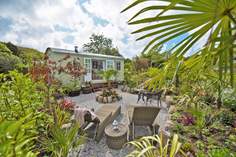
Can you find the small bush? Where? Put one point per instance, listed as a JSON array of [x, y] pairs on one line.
[[186, 147], [226, 118], [216, 153], [7, 60]]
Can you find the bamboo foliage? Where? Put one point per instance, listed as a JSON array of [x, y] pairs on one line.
[[214, 20]]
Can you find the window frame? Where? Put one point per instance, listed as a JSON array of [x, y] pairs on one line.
[[118, 63], [107, 64], [88, 65]]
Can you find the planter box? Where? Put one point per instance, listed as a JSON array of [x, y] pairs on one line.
[[73, 93], [105, 100], [86, 90]]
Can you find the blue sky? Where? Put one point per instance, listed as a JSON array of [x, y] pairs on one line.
[[65, 23]]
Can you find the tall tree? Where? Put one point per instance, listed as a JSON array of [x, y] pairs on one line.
[[156, 57], [101, 45]]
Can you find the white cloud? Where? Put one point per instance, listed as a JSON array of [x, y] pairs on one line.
[[35, 28], [117, 29], [34, 23]]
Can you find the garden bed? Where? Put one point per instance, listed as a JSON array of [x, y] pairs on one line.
[[107, 96], [205, 130]]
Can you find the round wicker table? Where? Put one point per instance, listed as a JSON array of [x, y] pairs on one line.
[[115, 139]]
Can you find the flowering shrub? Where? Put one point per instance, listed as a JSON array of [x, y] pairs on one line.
[[67, 104]]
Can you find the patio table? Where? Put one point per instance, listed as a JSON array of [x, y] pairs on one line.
[[115, 139]]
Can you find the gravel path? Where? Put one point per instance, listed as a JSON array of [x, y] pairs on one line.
[[92, 148]]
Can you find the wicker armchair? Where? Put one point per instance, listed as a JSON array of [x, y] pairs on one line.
[[106, 114], [143, 116]]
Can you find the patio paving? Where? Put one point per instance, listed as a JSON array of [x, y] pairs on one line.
[[94, 149]]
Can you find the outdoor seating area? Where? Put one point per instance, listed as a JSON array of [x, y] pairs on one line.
[[133, 119]]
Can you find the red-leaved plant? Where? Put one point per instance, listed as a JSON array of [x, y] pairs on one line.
[[67, 104], [45, 71]]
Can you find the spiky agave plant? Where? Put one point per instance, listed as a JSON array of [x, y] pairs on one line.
[[156, 146]]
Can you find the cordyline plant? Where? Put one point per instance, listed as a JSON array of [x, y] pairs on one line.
[[46, 70]]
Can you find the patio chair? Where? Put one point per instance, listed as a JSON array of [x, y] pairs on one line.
[[154, 96], [143, 116], [106, 114], [150, 96]]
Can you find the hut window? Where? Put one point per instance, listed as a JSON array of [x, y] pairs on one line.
[[118, 66], [110, 64]]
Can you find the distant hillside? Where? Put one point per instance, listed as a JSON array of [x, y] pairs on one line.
[[13, 57]]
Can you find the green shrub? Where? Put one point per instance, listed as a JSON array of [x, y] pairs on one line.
[[221, 153], [73, 85], [7, 60], [226, 117], [229, 98], [200, 145], [18, 96], [17, 137], [186, 147], [14, 49], [61, 142]]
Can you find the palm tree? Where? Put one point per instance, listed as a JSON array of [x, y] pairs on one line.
[[107, 75], [194, 21]]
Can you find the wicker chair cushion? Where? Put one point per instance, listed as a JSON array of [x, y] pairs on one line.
[[144, 115]]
